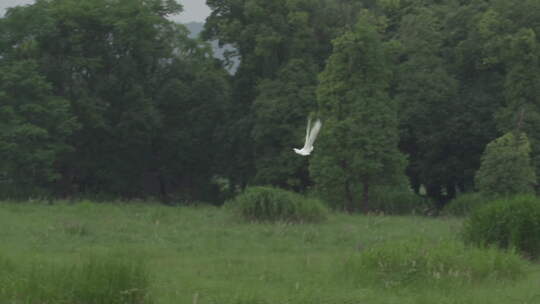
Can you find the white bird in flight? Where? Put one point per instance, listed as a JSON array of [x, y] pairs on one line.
[[311, 135]]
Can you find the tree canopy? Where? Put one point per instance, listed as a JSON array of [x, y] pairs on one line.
[[359, 143], [111, 98], [146, 97], [506, 166]]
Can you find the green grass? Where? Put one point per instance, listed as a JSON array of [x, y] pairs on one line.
[[447, 264], [103, 279], [512, 222], [205, 255]]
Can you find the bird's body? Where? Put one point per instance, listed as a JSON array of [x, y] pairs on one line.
[[303, 151], [311, 135]]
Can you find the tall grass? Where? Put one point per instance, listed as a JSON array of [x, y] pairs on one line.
[[97, 280], [507, 223], [445, 264], [204, 255], [274, 204]]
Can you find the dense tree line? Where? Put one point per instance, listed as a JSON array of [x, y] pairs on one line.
[[110, 97], [107, 97]]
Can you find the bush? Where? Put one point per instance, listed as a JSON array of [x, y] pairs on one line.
[[273, 204], [507, 223], [419, 262], [395, 200], [98, 280], [506, 167], [465, 203]]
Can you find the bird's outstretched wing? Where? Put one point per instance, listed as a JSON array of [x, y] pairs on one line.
[[307, 132], [313, 132]]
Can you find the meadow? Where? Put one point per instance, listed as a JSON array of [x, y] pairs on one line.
[[205, 255]]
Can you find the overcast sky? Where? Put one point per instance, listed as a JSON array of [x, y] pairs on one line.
[[194, 10]]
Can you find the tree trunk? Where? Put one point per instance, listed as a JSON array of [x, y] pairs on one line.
[[65, 186], [163, 189], [414, 181], [365, 197], [450, 191], [349, 207], [461, 186], [435, 191]]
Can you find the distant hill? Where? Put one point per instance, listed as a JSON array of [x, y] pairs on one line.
[[195, 28]]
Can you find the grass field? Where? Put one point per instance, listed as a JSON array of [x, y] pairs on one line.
[[204, 255]]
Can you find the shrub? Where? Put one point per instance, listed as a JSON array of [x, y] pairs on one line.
[[419, 262], [506, 167], [507, 223], [465, 203], [396, 200], [98, 280], [273, 204]]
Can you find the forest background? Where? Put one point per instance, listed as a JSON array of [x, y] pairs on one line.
[[112, 100]]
